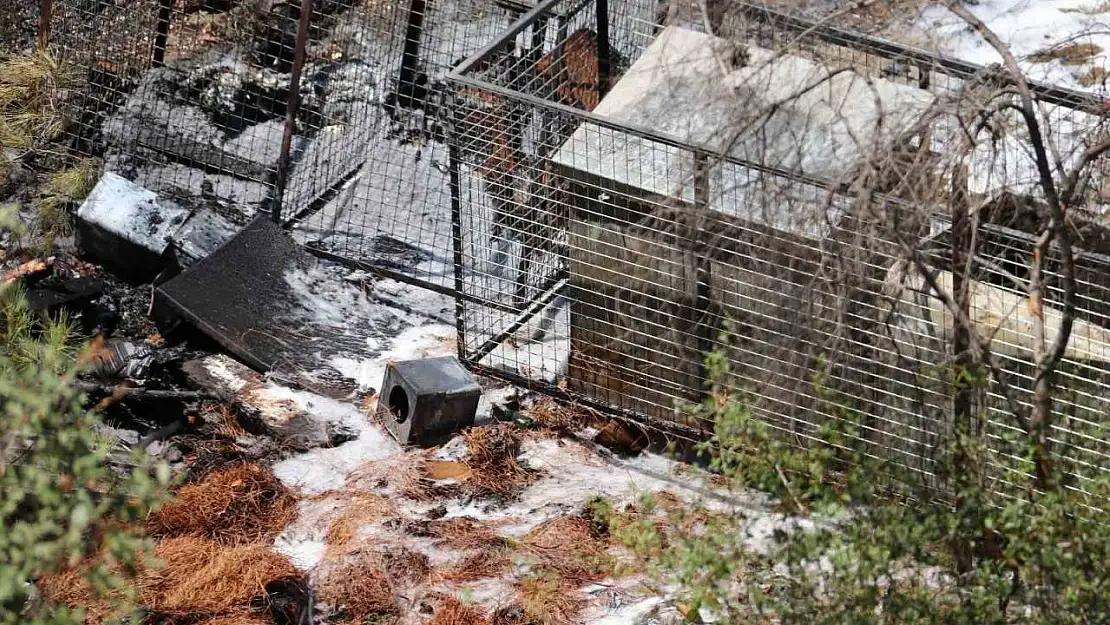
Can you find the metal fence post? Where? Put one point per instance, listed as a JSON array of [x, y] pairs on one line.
[[410, 55], [162, 34], [703, 321], [46, 17], [604, 65], [293, 105], [456, 224]]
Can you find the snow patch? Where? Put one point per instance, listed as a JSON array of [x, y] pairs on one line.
[[323, 304], [574, 473]]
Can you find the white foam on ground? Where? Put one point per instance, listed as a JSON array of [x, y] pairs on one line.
[[416, 342], [324, 469], [1028, 27]]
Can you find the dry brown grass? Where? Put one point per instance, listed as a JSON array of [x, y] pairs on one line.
[[359, 590], [552, 415], [192, 577], [405, 475], [491, 456], [63, 189], [70, 588], [200, 576], [548, 600], [245, 618], [462, 534], [224, 420], [358, 510], [239, 504], [1094, 76], [1102, 7], [477, 565], [1067, 54], [32, 89], [451, 611], [403, 565], [571, 548]]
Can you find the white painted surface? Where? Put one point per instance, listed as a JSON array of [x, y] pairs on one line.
[[132, 212], [777, 110]]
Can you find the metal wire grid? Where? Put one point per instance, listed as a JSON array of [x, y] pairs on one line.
[[628, 330], [395, 216], [191, 98], [660, 248]]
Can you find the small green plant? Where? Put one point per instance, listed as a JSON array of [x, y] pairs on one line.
[[61, 191], [63, 508]]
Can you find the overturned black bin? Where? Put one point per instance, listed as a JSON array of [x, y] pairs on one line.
[[425, 399]]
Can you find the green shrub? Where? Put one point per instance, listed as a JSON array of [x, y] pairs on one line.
[[61, 505], [882, 546]]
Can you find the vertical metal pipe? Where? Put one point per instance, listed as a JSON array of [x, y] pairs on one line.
[[456, 225], [293, 105], [162, 34], [414, 34], [46, 18], [604, 64], [703, 321]]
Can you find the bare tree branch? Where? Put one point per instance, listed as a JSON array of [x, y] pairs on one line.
[[1056, 231]]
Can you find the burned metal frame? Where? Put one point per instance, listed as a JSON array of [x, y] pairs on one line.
[[558, 284], [606, 20], [292, 107]]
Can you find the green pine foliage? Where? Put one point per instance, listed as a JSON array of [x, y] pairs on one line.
[[61, 505]]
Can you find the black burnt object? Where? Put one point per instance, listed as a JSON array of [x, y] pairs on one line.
[[127, 228], [50, 298], [260, 296], [411, 91], [424, 400]]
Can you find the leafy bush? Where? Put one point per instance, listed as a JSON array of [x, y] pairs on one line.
[[881, 545], [62, 507]]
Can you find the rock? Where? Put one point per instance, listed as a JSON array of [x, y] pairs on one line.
[[14, 175], [255, 447], [266, 409], [129, 437], [167, 451], [173, 454], [339, 433]]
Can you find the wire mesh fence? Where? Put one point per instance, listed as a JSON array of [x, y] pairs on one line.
[[611, 189], [327, 122], [771, 194]]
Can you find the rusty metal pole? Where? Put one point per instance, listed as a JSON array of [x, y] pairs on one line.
[[293, 105], [46, 17]]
